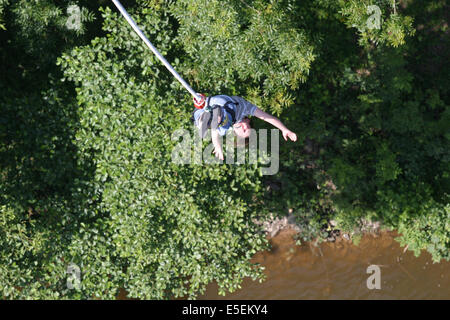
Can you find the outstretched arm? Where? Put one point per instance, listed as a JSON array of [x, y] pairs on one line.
[[276, 123], [216, 142]]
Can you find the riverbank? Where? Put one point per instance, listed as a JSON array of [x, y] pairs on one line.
[[338, 270], [274, 225]]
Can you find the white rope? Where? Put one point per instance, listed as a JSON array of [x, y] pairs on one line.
[[155, 51]]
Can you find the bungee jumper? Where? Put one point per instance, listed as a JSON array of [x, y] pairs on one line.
[[220, 112]]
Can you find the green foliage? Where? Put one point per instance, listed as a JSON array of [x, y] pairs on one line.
[[176, 228], [377, 116], [45, 26], [40, 178], [3, 3], [265, 53], [377, 21], [87, 115], [422, 222]]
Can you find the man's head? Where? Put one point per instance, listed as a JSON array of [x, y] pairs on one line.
[[242, 129]]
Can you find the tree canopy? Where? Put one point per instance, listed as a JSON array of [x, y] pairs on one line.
[[88, 113]]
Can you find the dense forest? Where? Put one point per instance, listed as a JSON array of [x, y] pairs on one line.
[[90, 199]]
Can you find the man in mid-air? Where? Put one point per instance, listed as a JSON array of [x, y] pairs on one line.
[[222, 113]]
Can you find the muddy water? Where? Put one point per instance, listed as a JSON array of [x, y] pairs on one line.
[[338, 271]]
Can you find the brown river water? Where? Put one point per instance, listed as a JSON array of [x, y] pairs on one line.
[[339, 271]]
